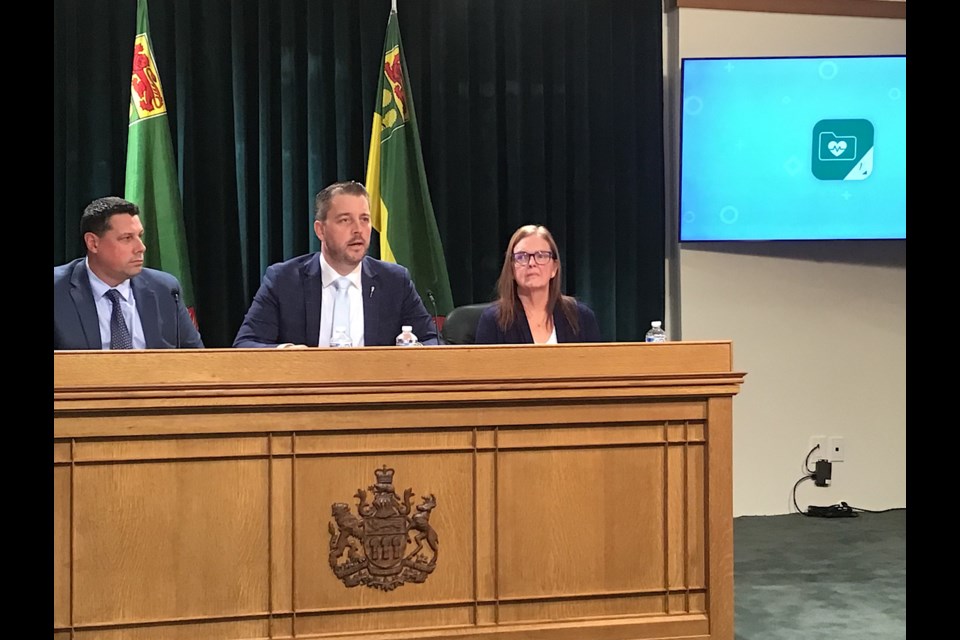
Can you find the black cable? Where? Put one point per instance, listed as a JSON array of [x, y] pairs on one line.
[[880, 511], [797, 484], [810, 475], [823, 511], [842, 510], [806, 461]]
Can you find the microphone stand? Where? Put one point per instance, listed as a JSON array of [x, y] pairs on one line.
[[176, 312], [436, 315]]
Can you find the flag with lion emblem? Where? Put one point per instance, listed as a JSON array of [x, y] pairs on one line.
[[151, 178], [400, 205]]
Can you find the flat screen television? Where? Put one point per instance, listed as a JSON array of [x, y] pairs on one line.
[[793, 148]]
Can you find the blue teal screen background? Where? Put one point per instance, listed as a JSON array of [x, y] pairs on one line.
[[749, 162]]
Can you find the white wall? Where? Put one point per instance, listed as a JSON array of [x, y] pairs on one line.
[[817, 326]]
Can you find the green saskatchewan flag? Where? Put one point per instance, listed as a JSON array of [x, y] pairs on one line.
[[399, 198], [151, 180]]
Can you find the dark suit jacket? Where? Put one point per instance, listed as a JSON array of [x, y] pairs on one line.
[[75, 323], [286, 308], [489, 332]]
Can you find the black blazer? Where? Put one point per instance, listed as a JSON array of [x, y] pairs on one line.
[[489, 332]]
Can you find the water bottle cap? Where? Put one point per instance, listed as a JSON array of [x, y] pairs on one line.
[[655, 324], [405, 328]]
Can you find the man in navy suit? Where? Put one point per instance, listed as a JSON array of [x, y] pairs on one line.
[[294, 306], [86, 290]]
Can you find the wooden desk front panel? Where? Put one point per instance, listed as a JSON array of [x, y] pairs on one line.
[[533, 525], [561, 519]]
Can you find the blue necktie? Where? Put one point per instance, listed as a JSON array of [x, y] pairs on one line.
[[341, 306], [119, 333]]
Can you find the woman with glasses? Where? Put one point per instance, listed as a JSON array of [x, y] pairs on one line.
[[529, 306]]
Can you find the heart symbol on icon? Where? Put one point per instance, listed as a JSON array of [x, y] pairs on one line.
[[837, 148]]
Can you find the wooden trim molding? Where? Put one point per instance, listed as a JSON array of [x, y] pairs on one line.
[[856, 8]]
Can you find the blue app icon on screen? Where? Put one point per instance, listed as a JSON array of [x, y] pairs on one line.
[[843, 149]]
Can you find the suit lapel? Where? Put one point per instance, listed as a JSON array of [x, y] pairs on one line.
[[312, 282], [82, 296], [371, 304], [148, 309]]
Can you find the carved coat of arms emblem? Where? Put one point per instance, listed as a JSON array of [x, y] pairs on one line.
[[371, 548]]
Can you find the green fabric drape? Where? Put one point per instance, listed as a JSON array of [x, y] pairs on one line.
[[541, 111]]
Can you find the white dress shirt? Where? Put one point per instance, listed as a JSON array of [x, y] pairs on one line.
[[354, 293]]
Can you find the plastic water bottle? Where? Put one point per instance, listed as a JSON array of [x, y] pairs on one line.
[[340, 338], [407, 338], [656, 333]]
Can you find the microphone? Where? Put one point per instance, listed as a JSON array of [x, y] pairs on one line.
[[436, 315], [175, 292]]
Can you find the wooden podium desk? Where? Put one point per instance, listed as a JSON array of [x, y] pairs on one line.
[[568, 492]]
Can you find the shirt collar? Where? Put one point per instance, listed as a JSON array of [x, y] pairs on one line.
[[328, 274], [100, 287]]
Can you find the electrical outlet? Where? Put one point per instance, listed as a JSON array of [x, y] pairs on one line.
[[835, 449], [820, 452]]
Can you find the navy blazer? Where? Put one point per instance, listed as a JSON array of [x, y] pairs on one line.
[[489, 332], [286, 308], [75, 322]]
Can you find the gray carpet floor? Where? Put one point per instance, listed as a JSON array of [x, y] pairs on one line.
[[805, 578]]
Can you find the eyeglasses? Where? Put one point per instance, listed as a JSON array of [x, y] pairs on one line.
[[541, 257]]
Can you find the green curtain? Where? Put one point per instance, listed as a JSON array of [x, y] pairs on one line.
[[532, 111]]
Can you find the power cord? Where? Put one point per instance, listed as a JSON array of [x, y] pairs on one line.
[[821, 477], [858, 509], [796, 506], [809, 476], [842, 510], [806, 461]]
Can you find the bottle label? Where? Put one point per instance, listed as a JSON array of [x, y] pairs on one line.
[[407, 339]]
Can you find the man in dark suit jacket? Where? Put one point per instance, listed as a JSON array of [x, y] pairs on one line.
[[112, 234], [288, 310]]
